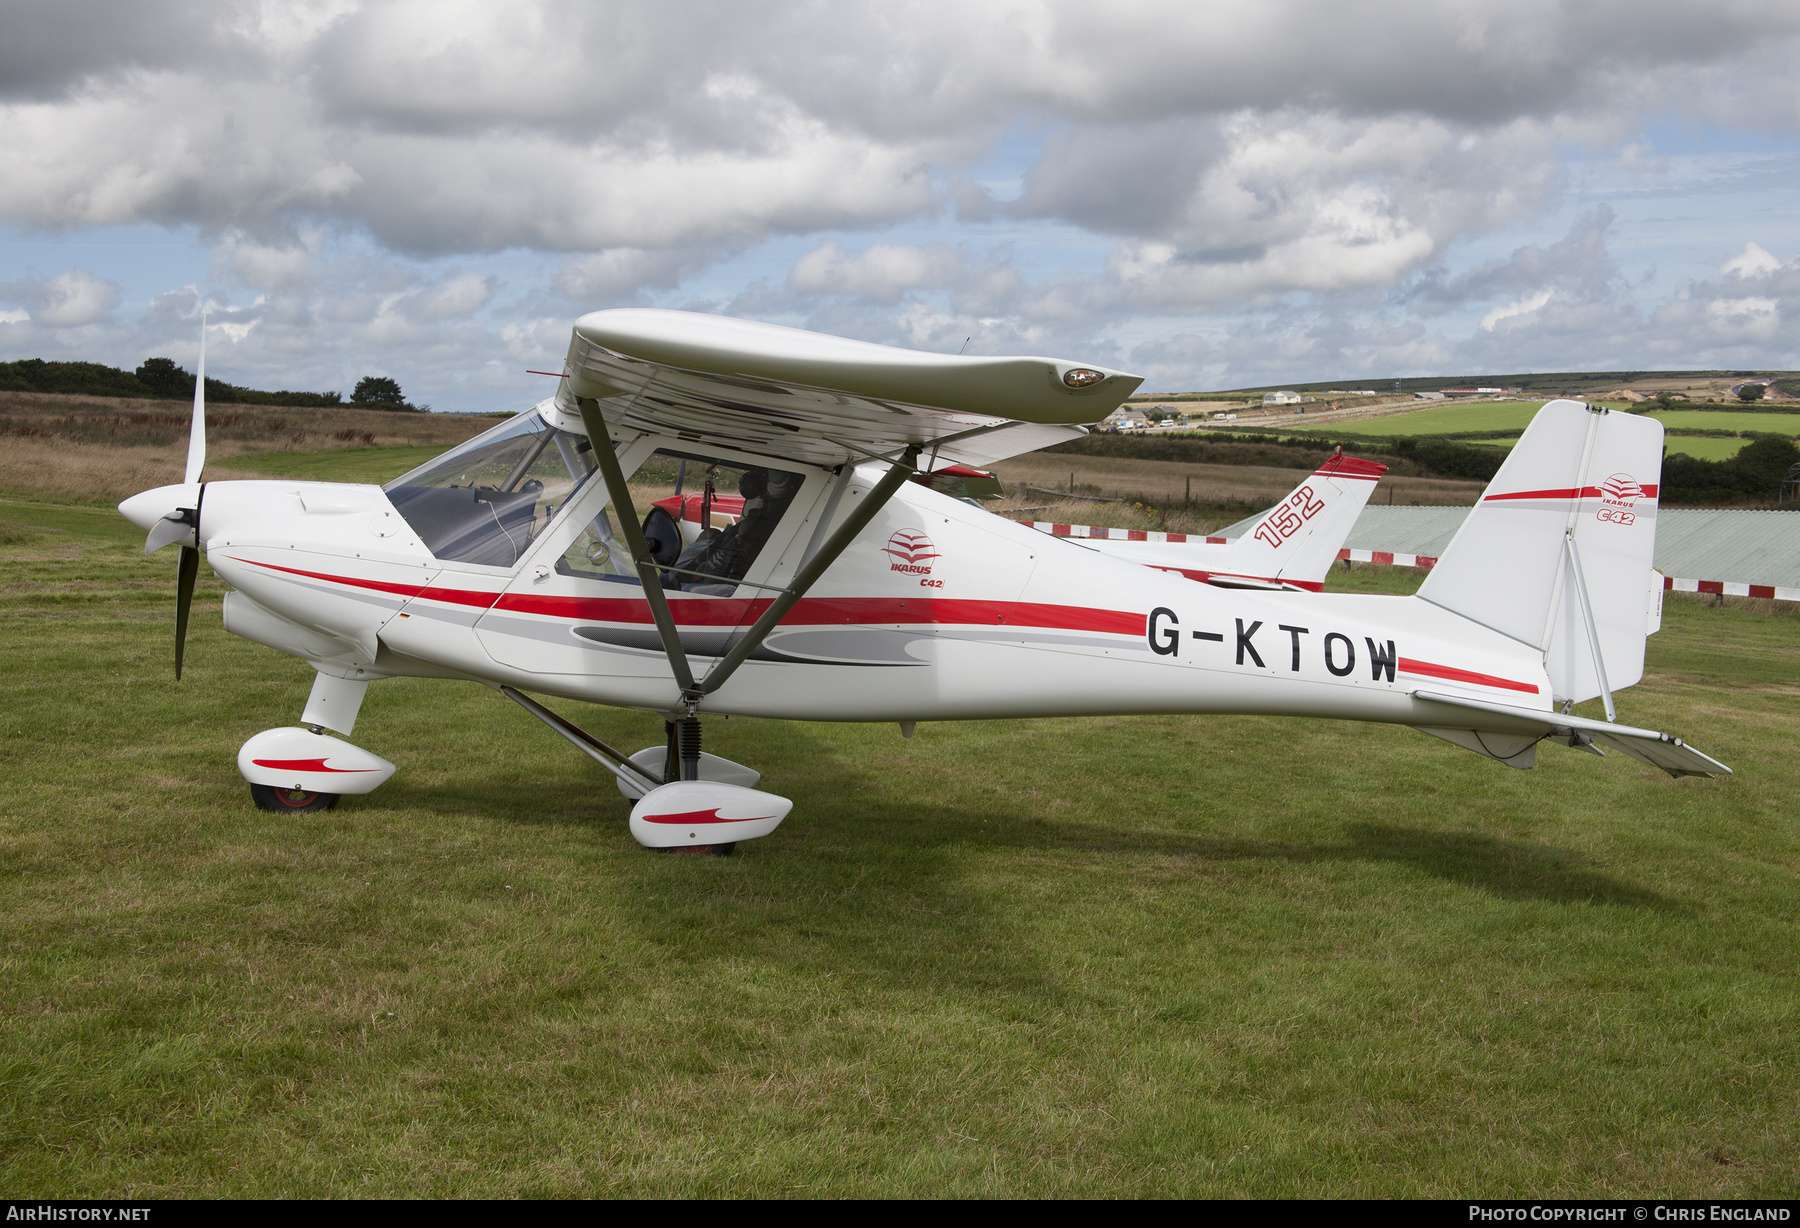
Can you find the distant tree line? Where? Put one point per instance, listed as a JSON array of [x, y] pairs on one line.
[[161, 378]]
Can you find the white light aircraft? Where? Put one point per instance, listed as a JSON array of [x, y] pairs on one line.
[[843, 591]]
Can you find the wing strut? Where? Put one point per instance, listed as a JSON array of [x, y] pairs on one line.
[[650, 575], [812, 569], [616, 762], [647, 571]]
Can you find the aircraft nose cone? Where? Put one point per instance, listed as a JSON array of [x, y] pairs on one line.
[[147, 507]]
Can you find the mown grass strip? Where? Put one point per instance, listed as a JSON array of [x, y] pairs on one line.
[[1176, 956]]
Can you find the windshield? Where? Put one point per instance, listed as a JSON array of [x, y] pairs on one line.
[[485, 501]]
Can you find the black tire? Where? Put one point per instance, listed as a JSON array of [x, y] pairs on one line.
[[291, 801], [700, 850]]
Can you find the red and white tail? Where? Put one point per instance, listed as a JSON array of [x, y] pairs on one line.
[[1292, 546], [1556, 553], [1295, 544]]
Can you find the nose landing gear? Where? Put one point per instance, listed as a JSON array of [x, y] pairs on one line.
[[296, 771]]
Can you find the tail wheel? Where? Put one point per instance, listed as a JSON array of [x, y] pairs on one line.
[[291, 801]]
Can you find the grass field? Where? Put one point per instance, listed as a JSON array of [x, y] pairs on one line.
[[1452, 419], [1449, 419], [1701, 420], [1704, 449], [1157, 956]]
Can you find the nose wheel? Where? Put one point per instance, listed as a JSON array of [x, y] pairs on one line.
[[291, 801]]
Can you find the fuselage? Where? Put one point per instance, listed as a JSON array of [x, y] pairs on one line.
[[937, 610]]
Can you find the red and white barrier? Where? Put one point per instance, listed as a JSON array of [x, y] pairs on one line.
[[1730, 588], [1120, 535], [1395, 558], [1388, 556], [1671, 584]]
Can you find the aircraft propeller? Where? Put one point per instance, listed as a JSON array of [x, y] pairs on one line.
[[183, 524]]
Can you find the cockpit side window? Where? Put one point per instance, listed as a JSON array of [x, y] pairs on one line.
[[706, 521], [485, 501]]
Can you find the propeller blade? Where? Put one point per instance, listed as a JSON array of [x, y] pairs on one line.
[[196, 457], [169, 530], [186, 572]]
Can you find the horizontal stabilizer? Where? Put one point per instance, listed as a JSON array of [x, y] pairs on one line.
[[1659, 750]]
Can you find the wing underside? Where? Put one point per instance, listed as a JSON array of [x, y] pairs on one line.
[[825, 400]]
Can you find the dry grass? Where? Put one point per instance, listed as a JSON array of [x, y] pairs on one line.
[[99, 448]]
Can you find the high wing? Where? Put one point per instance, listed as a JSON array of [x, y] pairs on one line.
[[825, 400]]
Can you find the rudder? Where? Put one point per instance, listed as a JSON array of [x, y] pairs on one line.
[[1572, 511]]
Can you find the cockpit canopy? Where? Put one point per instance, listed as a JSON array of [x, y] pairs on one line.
[[486, 501]]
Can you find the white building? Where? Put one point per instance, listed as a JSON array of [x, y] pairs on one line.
[[1281, 398]]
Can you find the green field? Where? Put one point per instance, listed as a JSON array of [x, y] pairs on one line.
[[1455, 419], [1704, 449], [1449, 419], [1138, 956], [1702, 420]]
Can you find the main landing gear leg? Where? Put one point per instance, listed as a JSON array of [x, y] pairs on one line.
[[689, 802], [682, 762]]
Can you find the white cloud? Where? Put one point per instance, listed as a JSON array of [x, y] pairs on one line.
[[881, 272], [451, 300], [1750, 319], [1299, 175], [1752, 261], [1518, 307], [69, 299]]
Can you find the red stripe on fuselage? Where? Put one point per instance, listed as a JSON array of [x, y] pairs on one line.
[[1449, 672], [454, 596], [380, 586], [733, 612], [825, 611]]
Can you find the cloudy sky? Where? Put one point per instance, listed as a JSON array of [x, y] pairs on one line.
[[1212, 194]]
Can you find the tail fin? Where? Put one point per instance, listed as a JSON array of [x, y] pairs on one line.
[[1555, 553], [1296, 543]]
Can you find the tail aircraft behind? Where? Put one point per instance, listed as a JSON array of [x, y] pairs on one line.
[[1291, 546], [842, 590]]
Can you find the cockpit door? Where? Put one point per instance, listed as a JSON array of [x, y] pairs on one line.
[[576, 607]]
